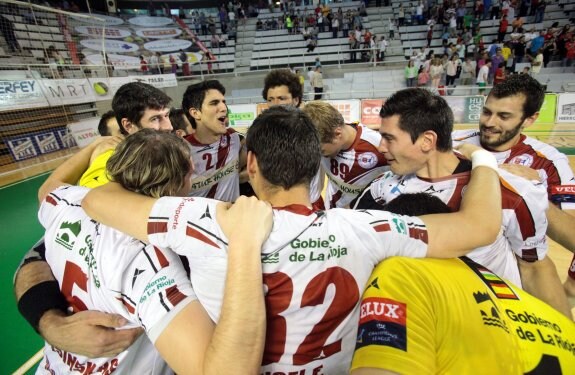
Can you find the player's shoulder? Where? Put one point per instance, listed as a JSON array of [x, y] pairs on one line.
[[516, 188], [66, 195], [543, 149], [369, 135]]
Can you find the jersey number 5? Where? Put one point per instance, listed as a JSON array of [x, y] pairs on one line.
[[278, 299], [73, 275]]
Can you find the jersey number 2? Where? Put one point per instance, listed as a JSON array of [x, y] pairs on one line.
[[279, 298]]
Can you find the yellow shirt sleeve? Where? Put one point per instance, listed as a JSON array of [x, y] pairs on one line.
[[96, 175]]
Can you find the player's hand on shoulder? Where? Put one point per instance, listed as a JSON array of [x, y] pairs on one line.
[[103, 144], [522, 171], [90, 333], [249, 219]]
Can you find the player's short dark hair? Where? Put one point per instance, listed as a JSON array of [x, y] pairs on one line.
[[103, 124], [416, 204], [177, 118], [150, 162], [283, 77], [132, 99], [195, 95], [521, 84], [286, 144], [420, 110]]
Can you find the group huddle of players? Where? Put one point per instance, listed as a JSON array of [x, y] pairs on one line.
[[347, 285]]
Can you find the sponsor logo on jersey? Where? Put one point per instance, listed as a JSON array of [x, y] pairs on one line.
[[271, 258], [367, 160], [68, 233], [490, 313], [524, 159], [137, 273], [206, 215], [224, 141], [85, 366], [382, 322]]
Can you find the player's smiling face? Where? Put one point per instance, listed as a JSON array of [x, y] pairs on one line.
[[403, 155], [502, 121], [213, 115], [280, 95]]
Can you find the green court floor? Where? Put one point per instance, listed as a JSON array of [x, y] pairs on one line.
[[19, 229]]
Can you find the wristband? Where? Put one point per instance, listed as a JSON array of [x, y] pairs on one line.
[[39, 299], [483, 158]]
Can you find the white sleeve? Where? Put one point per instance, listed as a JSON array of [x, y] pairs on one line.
[[155, 287], [383, 234], [525, 224]]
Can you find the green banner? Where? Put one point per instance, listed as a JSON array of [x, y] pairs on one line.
[[547, 111], [466, 109]]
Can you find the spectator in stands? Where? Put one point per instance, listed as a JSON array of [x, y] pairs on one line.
[[517, 24], [7, 28], [467, 72], [496, 60], [185, 65], [569, 51], [56, 62], [317, 83], [259, 25], [155, 63], [410, 74], [495, 9], [499, 74], [108, 125], [483, 75], [503, 24], [453, 65], [215, 41], [203, 23], [422, 76], [429, 35], [540, 11], [460, 15], [173, 64], [537, 62], [353, 46], [436, 71], [382, 48], [311, 43], [143, 65], [401, 15], [335, 27], [549, 49], [537, 44]]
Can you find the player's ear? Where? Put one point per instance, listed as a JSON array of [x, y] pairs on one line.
[[196, 114], [127, 125], [252, 164], [530, 120], [428, 141]]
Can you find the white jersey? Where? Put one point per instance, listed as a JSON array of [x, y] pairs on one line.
[[552, 165], [99, 268], [315, 265], [315, 188], [524, 223], [351, 170], [216, 167]]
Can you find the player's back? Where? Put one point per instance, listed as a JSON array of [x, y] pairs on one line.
[[315, 265], [90, 262]]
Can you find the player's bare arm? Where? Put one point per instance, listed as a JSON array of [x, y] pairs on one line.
[[540, 279], [560, 227], [71, 170], [478, 220]]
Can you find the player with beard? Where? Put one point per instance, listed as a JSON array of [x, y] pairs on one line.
[[282, 87], [217, 150], [315, 263], [416, 128], [512, 106]]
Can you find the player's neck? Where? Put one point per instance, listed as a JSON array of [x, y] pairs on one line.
[[440, 164], [348, 133], [206, 136], [281, 197]]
